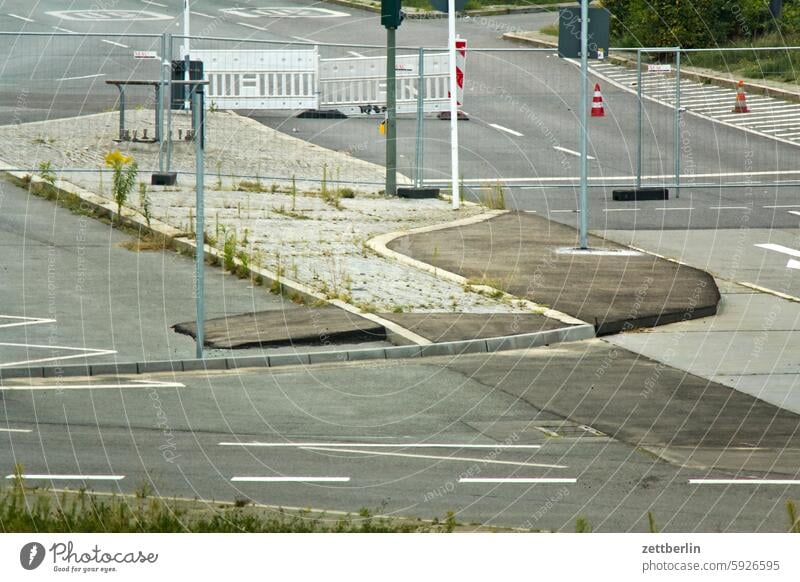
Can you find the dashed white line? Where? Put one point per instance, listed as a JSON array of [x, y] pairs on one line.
[[744, 482], [559, 211], [779, 249], [151, 3], [620, 209], [203, 14], [675, 208], [383, 445], [506, 130], [570, 152], [782, 206], [69, 477], [306, 40], [355, 54], [438, 458], [728, 207], [15, 430], [23, 18], [119, 44], [515, 480], [795, 212], [83, 77], [252, 26], [291, 479], [59, 29], [135, 384]]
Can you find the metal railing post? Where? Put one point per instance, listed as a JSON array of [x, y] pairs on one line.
[[420, 116], [168, 63], [197, 118], [639, 119], [121, 112], [160, 102], [677, 122]]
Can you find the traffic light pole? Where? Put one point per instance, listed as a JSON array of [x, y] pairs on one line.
[[391, 114]]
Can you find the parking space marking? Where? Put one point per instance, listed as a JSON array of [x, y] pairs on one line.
[[68, 477], [516, 480], [107, 15], [85, 353], [284, 12], [383, 445], [744, 481], [62, 386], [17, 320], [290, 479], [437, 457]]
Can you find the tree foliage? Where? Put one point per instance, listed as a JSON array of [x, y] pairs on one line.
[[696, 23]]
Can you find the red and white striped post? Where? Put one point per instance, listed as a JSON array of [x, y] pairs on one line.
[[451, 42], [461, 65]]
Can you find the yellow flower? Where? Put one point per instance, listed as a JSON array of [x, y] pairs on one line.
[[117, 158]]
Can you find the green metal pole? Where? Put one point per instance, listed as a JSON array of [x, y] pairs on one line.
[[420, 116], [197, 115], [639, 119], [677, 122], [391, 115]]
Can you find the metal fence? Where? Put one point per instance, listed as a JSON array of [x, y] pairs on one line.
[[312, 113]]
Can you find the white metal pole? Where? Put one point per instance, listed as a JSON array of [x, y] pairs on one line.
[[584, 129], [451, 39], [186, 57]]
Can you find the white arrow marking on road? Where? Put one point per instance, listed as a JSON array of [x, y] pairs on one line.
[[437, 458], [87, 353], [18, 320], [779, 249], [21, 18]]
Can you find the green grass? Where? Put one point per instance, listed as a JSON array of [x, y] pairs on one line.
[[777, 65], [42, 511], [550, 29]]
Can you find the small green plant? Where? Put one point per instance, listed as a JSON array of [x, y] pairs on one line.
[[243, 269], [582, 526], [124, 170], [294, 193], [323, 185], [219, 175], [651, 522], [794, 520], [495, 199], [144, 202], [46, 172], [229, 251]]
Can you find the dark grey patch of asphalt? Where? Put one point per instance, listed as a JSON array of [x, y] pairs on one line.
[[614, 292]]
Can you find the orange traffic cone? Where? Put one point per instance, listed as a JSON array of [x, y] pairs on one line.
[[597, 102], [741, 100]]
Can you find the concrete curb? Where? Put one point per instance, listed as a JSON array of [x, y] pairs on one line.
[[419, 14], [380, 242], [488, 345], [65, 192], [686, 72]]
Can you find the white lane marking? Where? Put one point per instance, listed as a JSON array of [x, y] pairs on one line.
[[24, 320], [506, 130], [15, 430], [571, 152], [779, 249], [83, 77], [729, 207], [252, 26], [437, 458], [203, 14], [159, 4], [620, 209], [782, 206], [292, 479], [59, 29], [355, 54], [383, 445], [631, 178], [744, 482], [557, 211], [88, 353], [306, 40], [21, 17], [70, 477], [540, 480], [795, 212], [792, 264], [119, 44], [134, 384], [675, 208]]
